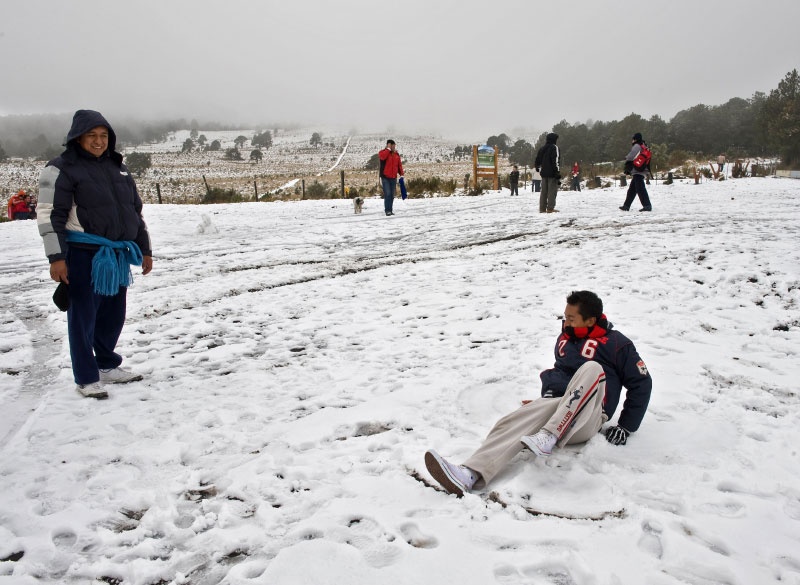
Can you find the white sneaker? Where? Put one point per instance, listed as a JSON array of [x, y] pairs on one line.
[[94, 390], [119, 376], [456, 479], [541, 443]]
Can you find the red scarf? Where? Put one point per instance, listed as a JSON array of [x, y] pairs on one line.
[[599, 329]]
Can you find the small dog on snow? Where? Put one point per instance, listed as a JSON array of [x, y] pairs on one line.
[[358, 204]]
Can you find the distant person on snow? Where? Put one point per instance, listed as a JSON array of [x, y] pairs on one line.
[[579, 394], [576, 176], [19, 206], [513, 181], [391, 167], [536, 181], [90, 217], [637, 186], [547, 163]]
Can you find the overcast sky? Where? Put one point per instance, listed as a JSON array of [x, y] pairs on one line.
[[453, 67]]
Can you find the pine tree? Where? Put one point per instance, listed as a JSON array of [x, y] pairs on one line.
[[264, 140], [781, 119]]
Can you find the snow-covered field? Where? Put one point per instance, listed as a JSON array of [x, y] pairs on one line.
[[300, 359], [181, 176]]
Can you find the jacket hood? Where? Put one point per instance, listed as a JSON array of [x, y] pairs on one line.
[[551, 138], [85, 120]]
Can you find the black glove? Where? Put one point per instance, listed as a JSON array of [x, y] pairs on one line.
[[538, 169], [558, 177], [617, 435], [628, 167]]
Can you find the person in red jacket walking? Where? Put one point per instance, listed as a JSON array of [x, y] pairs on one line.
[[391, 167]]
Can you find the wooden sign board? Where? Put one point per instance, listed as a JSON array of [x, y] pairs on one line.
[[484, 164]]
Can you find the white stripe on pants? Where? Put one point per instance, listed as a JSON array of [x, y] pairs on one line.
[[573, 418]]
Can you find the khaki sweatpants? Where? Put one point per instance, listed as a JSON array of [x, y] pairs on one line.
[[547, 198], [573, 418]]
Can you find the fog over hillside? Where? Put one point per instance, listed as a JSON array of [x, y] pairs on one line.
[[460, 68]]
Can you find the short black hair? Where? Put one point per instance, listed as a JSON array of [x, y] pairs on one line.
[[390, 141], [588, 303]]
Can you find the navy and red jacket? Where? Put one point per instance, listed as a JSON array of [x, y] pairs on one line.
[[391, 165], [621, 364], [81, 192]]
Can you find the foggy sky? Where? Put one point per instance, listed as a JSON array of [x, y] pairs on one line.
[[452, 67]]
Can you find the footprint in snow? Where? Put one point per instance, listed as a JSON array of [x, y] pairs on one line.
[[65, 540], [379, 548], [554, 572], [650, 540], [414, 536]]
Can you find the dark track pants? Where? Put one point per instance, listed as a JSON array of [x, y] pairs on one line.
[[637, 187], [94, 322]]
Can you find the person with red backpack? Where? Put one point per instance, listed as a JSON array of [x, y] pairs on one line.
[[637, 165]]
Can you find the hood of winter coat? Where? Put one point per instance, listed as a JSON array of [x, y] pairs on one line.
[[85, 120], [551, 138]]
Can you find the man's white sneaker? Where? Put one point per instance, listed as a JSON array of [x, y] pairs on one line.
[[456, 479], [94, 390], [119, 376], [541, 443]]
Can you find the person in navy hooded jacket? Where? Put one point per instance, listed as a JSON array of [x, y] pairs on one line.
[[579, 394], [90, 217]]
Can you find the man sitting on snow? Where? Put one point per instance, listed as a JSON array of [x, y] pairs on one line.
[[579, 394]]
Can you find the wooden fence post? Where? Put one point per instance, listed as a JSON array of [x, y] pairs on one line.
[[158, 191], [341, 175], [255, 188], [475, 166], [303, 183]]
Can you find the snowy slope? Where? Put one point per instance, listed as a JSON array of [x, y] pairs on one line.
[[300, 359]]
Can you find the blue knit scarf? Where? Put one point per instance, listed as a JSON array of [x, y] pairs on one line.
[[111, 266]]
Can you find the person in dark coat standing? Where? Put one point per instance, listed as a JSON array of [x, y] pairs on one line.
[[513, 181], [90, 218], [547, 164], [637, 186], [579, 394]]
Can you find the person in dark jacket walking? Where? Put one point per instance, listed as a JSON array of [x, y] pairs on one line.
[[547, 164], [90, 217], [579, 394], [637, 186], [513, 181], [391, 167]]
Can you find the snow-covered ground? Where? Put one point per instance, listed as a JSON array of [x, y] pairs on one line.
[[300, 359]]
